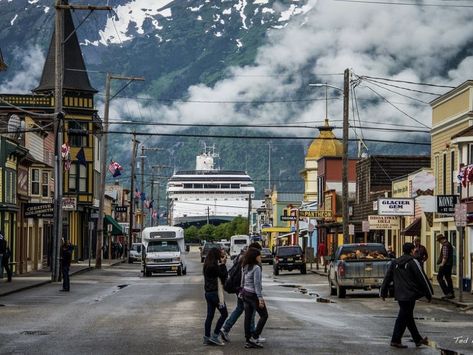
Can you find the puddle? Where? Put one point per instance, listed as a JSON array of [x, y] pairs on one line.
[[290, 286], [34, 332], [324, 300], [122, 286]]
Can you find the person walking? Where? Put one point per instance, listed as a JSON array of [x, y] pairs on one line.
[[410, 284], [6, 261], [252, 287], [66, 256], [240, 306], [3, 247], [445, 262], [215, 275], [420, 252]]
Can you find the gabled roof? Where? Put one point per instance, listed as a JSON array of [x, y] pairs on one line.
[[76, 79]]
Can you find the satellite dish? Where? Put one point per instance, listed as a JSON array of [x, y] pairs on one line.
[[13, 126]]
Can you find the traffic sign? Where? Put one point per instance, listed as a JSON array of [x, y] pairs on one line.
[[460, 214]]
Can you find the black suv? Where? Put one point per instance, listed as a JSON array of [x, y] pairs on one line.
[[289, 258]]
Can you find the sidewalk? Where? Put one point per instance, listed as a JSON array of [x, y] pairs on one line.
[[467, 296], [43, 277]]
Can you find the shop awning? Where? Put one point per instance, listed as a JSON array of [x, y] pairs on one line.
[[413, 229], [116, 228]]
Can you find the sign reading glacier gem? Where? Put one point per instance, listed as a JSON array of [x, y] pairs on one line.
[[396, 206]]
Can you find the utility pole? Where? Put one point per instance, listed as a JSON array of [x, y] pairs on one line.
[[249, 214], [59, 42], [132, 187], [142, 182], [269, 165], [345, 214], [152, 189], [103, 162], [58, 170]]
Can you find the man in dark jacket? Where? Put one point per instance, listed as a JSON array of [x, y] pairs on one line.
[[410, 284], [445, 262], [66, 256]]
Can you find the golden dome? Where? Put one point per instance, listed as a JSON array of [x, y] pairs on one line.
[[325, 145]]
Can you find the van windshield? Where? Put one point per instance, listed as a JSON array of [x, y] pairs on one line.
[[136, 247], [239, 241], [162, 246]]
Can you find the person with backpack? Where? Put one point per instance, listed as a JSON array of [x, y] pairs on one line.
[[251, 292], [215, 275], [233, 285]]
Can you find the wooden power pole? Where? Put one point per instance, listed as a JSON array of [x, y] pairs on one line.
[[345, 213]]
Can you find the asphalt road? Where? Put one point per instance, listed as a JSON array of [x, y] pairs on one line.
[[116, 311]]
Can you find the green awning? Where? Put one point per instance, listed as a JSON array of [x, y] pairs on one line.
[[116, 228]]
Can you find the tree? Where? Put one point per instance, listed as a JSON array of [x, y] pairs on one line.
[[191, 234], [206, 232]]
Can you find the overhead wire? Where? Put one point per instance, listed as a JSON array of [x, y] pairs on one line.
[[405, 3]]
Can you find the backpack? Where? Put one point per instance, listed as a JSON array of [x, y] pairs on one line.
[[233, 282]]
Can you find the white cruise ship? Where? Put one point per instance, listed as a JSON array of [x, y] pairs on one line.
[[207, 194]]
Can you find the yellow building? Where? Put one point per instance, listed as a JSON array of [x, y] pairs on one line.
[[325, 145], [452, 113]]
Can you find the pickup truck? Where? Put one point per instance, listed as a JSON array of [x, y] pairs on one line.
[[357, 266]]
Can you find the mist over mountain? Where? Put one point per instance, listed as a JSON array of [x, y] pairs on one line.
[[250, 62]]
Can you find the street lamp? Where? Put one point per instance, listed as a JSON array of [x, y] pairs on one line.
[[345, 90]]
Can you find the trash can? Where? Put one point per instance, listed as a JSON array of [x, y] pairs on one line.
[[467, 285]]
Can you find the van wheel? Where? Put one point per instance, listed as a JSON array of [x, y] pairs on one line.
[[179, 271], [341, 291], [333, 290]]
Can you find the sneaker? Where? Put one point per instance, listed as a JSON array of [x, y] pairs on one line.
[[253, 343], [224, 335], [261, 340], [398, 345], [448, 296], [214, 339]]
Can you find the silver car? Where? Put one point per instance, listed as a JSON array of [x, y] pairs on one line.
[[135, 252]]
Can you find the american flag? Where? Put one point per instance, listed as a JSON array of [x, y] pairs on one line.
[[137, 193], [115, 168], [155, 214]]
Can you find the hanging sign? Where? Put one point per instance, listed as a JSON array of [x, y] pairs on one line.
[[383, 222], [315, 214], [39, 210], [69, 203], [446, 203], [396, 206], [121, 209]]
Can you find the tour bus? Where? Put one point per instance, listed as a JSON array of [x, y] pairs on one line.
[[163, 250], [237, 243]]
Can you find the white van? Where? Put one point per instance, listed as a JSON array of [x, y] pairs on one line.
[[237, 243], [163, 250]]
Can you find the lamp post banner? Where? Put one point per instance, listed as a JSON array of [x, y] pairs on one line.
[[396, 207]]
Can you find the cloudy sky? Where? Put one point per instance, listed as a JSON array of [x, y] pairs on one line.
[[414, 43]]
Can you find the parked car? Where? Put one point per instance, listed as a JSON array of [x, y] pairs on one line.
[[135, 253], [266, 256], [205, 249], [357, 266], [289, 258]]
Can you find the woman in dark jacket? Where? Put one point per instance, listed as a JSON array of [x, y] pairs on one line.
[[215, 275]]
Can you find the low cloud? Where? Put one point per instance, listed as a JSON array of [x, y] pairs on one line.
[[27, 64]]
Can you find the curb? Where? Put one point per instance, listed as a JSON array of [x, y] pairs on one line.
[[453, 302], [42, 283]]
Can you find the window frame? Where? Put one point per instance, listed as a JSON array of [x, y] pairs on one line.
[[35, 183], [78, 140], [76, 176]]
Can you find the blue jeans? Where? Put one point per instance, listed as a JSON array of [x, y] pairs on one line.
[[65, 278], [237, 312], [212, 305]]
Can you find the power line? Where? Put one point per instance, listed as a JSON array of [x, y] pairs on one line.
[[404, 3], [397, 108], [256, 137], [407, 82], [402, 88], [395, 92]]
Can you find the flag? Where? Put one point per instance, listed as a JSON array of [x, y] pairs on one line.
[[155, 214], [150, 204], [146, 203], [65, 150], [137, 194], [143, 196], [115, 168], [67, 165], [81, 157]]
